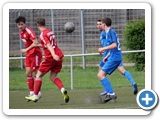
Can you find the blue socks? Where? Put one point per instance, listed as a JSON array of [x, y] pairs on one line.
[[129, 77], [106, 85]]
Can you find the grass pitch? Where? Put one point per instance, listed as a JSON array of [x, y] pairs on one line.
[[84, 95], [79, 99]]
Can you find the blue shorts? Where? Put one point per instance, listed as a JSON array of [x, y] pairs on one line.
[[110, 66], [101, 63], [121, 64]]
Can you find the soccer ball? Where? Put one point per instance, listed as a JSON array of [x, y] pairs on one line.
[[69, 27]]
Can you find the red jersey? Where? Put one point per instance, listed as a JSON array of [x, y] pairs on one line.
[[27, 37], [46, 37]]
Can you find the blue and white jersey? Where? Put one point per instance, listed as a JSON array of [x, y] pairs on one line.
[[103, 42], [115, 54]]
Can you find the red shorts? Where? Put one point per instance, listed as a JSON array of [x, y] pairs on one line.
[[33, 62], [50, 64]]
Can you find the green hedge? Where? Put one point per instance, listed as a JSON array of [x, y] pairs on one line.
[[134, 35]]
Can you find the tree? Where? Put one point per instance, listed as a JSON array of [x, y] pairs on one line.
[[134, 35]]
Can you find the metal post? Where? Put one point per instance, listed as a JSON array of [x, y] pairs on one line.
[[83, 39], [71, 72], [52, 19], [21, 47]]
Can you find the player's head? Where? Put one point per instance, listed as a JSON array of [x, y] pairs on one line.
[[21, 22], [99, 25], [106, 21], [40, 22]]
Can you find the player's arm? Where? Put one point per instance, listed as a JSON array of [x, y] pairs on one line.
[[50, 48], [34, 44], [112, 46]]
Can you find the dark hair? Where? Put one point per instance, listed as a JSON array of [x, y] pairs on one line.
[[107, 21], [41, 21], [99, 20], [20, 19]]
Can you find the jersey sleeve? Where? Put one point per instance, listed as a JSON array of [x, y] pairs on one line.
[[32, 35], [45, 38], [113, 36]]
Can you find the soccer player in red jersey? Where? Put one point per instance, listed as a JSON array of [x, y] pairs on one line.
[[52, 61], [33, 54]]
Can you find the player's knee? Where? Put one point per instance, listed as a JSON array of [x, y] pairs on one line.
[[34, 76], [121, 72], [38, 75], [28, 74], [100, 76], [52, 78]]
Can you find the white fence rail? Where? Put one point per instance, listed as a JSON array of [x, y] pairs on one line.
[[79, 55]]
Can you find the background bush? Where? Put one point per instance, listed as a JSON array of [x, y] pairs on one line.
[[134, 35]]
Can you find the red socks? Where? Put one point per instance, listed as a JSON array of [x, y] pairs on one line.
[[58, 83], [30, 81], [38, 84], [37, 87]]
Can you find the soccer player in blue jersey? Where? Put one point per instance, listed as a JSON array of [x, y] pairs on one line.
[[114, 58], [103, 42], [120, 67]]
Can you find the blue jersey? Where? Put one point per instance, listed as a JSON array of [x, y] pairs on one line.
[[115, 54], [103, 38], [103, 41]]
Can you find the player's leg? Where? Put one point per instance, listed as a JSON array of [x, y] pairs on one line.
[[104, 92], [108, 68], [105, 82], [125, 73], [57, 81], [101, 64], [43, 69], [37, 87], [129, 77], [30, 79], [99, 68], [34, 76], [36, 60], [107, 86]]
